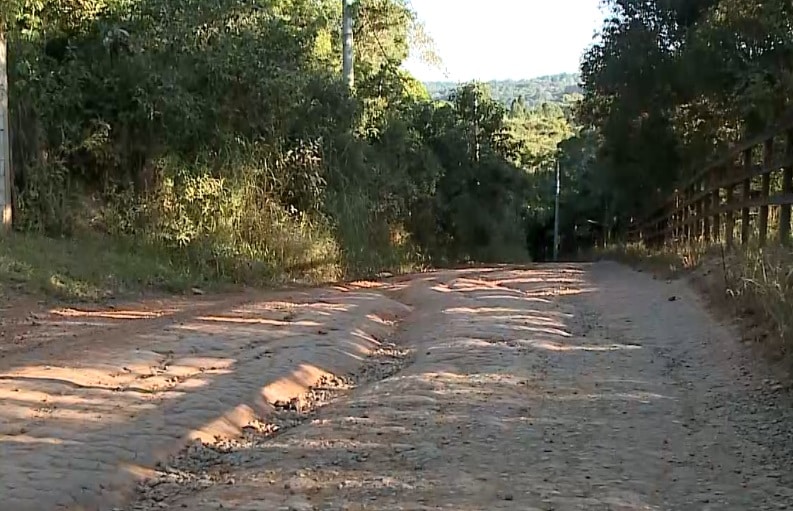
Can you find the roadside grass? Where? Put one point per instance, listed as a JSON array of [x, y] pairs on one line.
[[93, 267], [756, 284], [88, 268], [665, 262], [760, 281]]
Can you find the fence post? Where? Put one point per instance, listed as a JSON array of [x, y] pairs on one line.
[[659, 228], [691, 221], [716, 204], [685, 214], [729, 218], [787, 189], [696, 227], [747, 192], [768, 160], [681, 218], [705, 208], [692, 216]]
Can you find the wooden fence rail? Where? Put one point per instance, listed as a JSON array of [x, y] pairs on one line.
[[738, 190]]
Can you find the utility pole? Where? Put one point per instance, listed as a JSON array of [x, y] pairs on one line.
[[348, 59], [476, 126], [5, 145], [556, 212]]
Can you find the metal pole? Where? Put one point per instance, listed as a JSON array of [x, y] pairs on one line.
[[5, 146], [556, 213], [348, 59]]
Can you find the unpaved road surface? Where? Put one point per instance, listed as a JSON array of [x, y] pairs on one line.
[[546, 388]]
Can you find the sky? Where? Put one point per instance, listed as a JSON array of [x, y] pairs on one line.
[[505, 39]]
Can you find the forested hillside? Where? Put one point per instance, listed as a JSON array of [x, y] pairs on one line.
[[535, 91], [220, 135]]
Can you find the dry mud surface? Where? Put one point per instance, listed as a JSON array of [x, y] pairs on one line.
[[556, 387]]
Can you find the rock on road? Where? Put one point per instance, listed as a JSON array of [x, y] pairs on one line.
[[554, 387]]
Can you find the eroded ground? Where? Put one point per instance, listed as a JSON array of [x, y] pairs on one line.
[[549, 388]]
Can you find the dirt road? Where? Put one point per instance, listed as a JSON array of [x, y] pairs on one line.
[[549, 388]]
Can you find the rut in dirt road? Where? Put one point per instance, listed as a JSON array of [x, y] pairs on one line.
[[552, 388]]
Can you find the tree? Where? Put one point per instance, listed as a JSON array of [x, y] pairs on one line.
[[518, 107], [222, 130], [672, 83]]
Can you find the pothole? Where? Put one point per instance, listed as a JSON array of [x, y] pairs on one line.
[[202, 465]]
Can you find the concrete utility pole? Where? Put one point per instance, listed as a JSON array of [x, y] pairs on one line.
[[348, 61], [476, 127], [5, 145], [556, 212]]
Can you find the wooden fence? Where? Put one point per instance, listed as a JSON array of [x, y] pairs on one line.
[[736, 195]]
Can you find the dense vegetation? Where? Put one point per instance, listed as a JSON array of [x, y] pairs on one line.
[[673, 82], [533, 92], [219, 134]]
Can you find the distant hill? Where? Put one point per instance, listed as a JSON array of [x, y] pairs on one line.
[[535, 91]]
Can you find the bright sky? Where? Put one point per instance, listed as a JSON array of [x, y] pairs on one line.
[[503, 39]]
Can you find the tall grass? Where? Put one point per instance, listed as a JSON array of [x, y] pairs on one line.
[[760, 280], [671, 262]]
